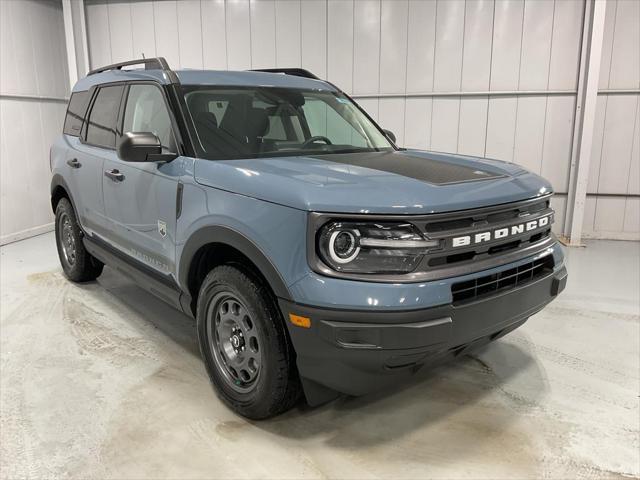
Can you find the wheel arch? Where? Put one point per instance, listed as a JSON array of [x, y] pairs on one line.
[[59, 190], [216, 245]]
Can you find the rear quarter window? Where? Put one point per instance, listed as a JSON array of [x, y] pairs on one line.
[[75, 113]]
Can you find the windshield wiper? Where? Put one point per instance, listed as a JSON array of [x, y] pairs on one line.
[[347, 150]]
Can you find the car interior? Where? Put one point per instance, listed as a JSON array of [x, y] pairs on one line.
[[240, 123]]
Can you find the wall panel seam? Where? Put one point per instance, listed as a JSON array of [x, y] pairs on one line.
[[201, 35], [155, 41], [433, 71], [464, 31], [613, 41], [553, 27], [109, 31], [486, 123], [35, 63], [633, 143], [604, 133], [133, 53], [406, 68], [178, 36], [226, 36], [300, 23], [275, 35], [515, 127]]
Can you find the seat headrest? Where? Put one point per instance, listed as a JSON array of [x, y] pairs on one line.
[[257, 122], [197, 103], [207, 119]]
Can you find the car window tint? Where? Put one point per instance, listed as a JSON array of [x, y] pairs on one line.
[[146, 111], [325, 121], [276, 129], [75, 113], [101, 128], [218, 108], [246, 122]]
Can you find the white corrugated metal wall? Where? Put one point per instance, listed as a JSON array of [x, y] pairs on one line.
[[34, 88], [615, 156], [398, 57], [482, 77]]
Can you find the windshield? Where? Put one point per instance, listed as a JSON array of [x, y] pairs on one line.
[[234, 122]]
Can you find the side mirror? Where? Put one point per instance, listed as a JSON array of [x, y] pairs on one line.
[[142, 147], [389, 135]]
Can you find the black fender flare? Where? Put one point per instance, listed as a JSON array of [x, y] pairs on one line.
[[228, 236]]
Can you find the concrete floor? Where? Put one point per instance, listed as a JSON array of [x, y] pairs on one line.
[[103, 380]]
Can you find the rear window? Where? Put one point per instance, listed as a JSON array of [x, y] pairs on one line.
[[75, 113], [101, 126]]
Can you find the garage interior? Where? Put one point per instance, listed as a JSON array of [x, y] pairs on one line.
[[103, 380]]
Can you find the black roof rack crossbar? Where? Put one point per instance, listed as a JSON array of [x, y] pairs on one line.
[[157, 63], [298, 72]]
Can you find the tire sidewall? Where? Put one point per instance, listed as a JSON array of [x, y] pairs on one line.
[[262, 316], [86, 267], [64, 208]]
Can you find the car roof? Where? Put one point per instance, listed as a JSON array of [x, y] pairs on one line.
[[206, 77]]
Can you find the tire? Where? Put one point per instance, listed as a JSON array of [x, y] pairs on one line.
[[253, 373], [78, 264]]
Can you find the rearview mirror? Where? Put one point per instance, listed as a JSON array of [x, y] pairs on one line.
[[142, 147], [389, 135]]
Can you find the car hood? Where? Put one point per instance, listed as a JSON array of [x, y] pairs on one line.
[[398, 182]]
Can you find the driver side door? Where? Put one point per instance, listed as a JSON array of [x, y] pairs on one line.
[[140, 197]]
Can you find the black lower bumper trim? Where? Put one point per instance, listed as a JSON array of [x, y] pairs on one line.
[[356, 352]]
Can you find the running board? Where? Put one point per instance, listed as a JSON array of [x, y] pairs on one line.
[[162, 287]]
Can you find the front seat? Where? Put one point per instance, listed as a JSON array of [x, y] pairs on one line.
[[243, 126]]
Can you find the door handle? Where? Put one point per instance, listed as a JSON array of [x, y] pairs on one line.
[[74, 163], [114, 175]]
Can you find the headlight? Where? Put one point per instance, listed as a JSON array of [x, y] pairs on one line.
[[357, 247]]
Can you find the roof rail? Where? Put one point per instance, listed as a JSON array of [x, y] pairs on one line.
[[157, 63], [298, 72]]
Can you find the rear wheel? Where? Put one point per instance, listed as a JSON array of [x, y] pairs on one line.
[[78, 264], [245, 346]]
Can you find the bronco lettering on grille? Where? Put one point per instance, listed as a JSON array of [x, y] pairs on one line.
[[500, 233]]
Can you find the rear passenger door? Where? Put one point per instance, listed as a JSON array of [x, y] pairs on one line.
[[97, 143], [140, 197]]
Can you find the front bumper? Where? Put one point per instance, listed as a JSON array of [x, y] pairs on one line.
[[358, 351]]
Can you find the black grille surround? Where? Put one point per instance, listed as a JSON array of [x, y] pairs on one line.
[[515, 241], [494, 284], [471, 224]]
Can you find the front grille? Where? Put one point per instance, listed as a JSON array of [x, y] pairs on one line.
[[490, 218], [488, 285], [469, 256], [467, 224]]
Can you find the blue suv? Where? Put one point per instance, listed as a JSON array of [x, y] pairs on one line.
[[316, 256]]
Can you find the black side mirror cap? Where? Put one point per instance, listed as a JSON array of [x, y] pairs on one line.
[[142, 147], [390, 135]]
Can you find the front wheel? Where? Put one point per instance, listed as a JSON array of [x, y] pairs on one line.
[[78, 264], [245, 346]]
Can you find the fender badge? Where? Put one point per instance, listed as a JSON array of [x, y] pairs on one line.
[[162, 228]]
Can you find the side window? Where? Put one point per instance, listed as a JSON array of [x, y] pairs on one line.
[[146, 111], [75, 113], [101, 126]]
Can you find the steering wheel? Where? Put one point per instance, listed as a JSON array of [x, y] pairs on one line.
[[313, 140]]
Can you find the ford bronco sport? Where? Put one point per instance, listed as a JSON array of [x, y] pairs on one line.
[[316, 256]]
